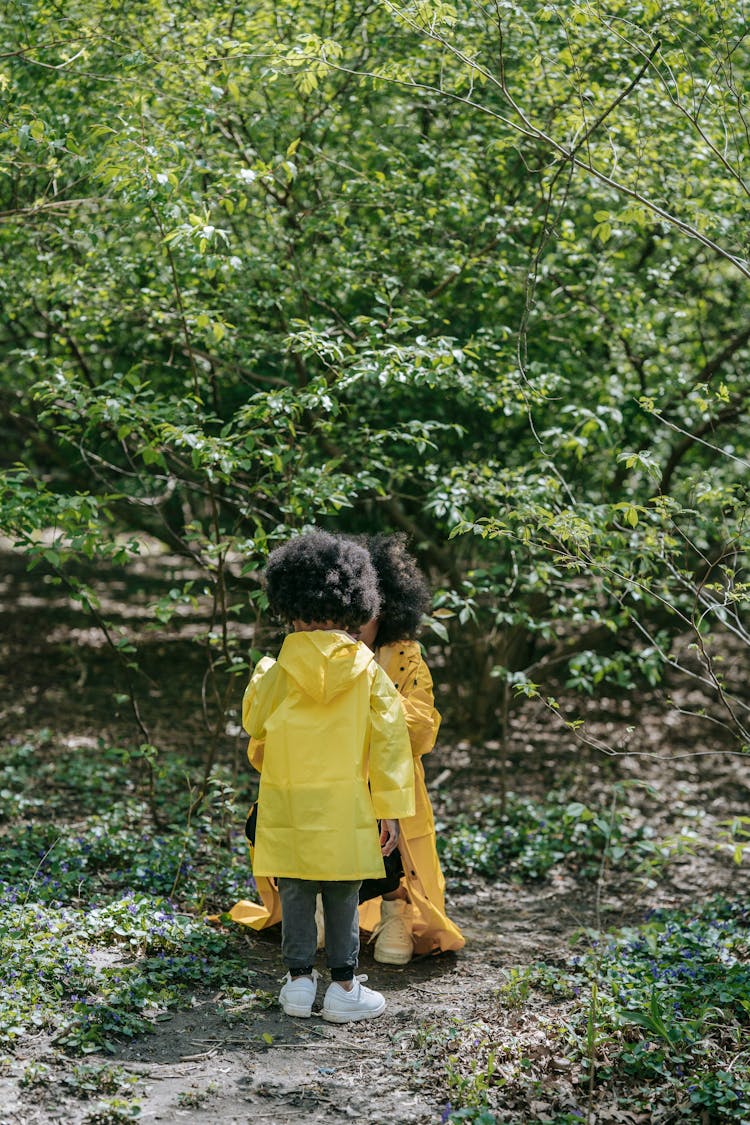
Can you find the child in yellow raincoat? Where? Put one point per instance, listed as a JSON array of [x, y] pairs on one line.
[[332, 746], [406, 911]]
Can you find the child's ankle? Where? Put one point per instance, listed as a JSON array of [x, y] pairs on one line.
[[307, 975]]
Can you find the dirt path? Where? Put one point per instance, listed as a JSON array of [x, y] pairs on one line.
[[218, 1061]]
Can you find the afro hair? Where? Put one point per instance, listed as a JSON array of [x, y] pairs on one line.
[[322, 577], [404, 593]]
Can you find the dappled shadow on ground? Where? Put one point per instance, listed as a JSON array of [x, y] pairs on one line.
[[63, 674]]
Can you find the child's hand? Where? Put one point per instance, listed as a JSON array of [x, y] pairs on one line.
[[389, 833]]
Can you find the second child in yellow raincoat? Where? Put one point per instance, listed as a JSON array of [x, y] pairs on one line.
[[405, 912], [332, 746]]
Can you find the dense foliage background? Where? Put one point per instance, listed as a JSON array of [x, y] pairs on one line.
[[477, 272], [474, 268]]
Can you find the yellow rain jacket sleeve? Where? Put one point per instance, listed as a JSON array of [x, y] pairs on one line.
[[391, 775], [403, 664], [324, 721], [262, 696]]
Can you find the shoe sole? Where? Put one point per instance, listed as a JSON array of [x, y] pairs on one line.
[[293, 1010], [393, 959], [351, 1017]]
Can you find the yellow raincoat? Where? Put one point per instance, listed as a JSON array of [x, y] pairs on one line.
[[423, 878], [332, 746]]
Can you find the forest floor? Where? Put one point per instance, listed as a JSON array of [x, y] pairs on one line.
[[463, 1035]]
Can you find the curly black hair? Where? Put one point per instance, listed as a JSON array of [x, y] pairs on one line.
[[404, 593], [322, 577]]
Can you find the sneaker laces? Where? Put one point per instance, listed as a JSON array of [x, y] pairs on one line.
[[357, 979], [394, 921]]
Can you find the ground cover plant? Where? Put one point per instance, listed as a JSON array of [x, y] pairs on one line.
[[106, 882], [523, 838], [53, 983], [69, 886], [652, 1022]]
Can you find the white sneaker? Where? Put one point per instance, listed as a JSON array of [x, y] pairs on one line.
[[340, 1006], [320, 922], [298, 994], [393, 940]]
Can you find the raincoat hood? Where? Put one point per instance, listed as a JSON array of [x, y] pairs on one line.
[[323, 663]]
